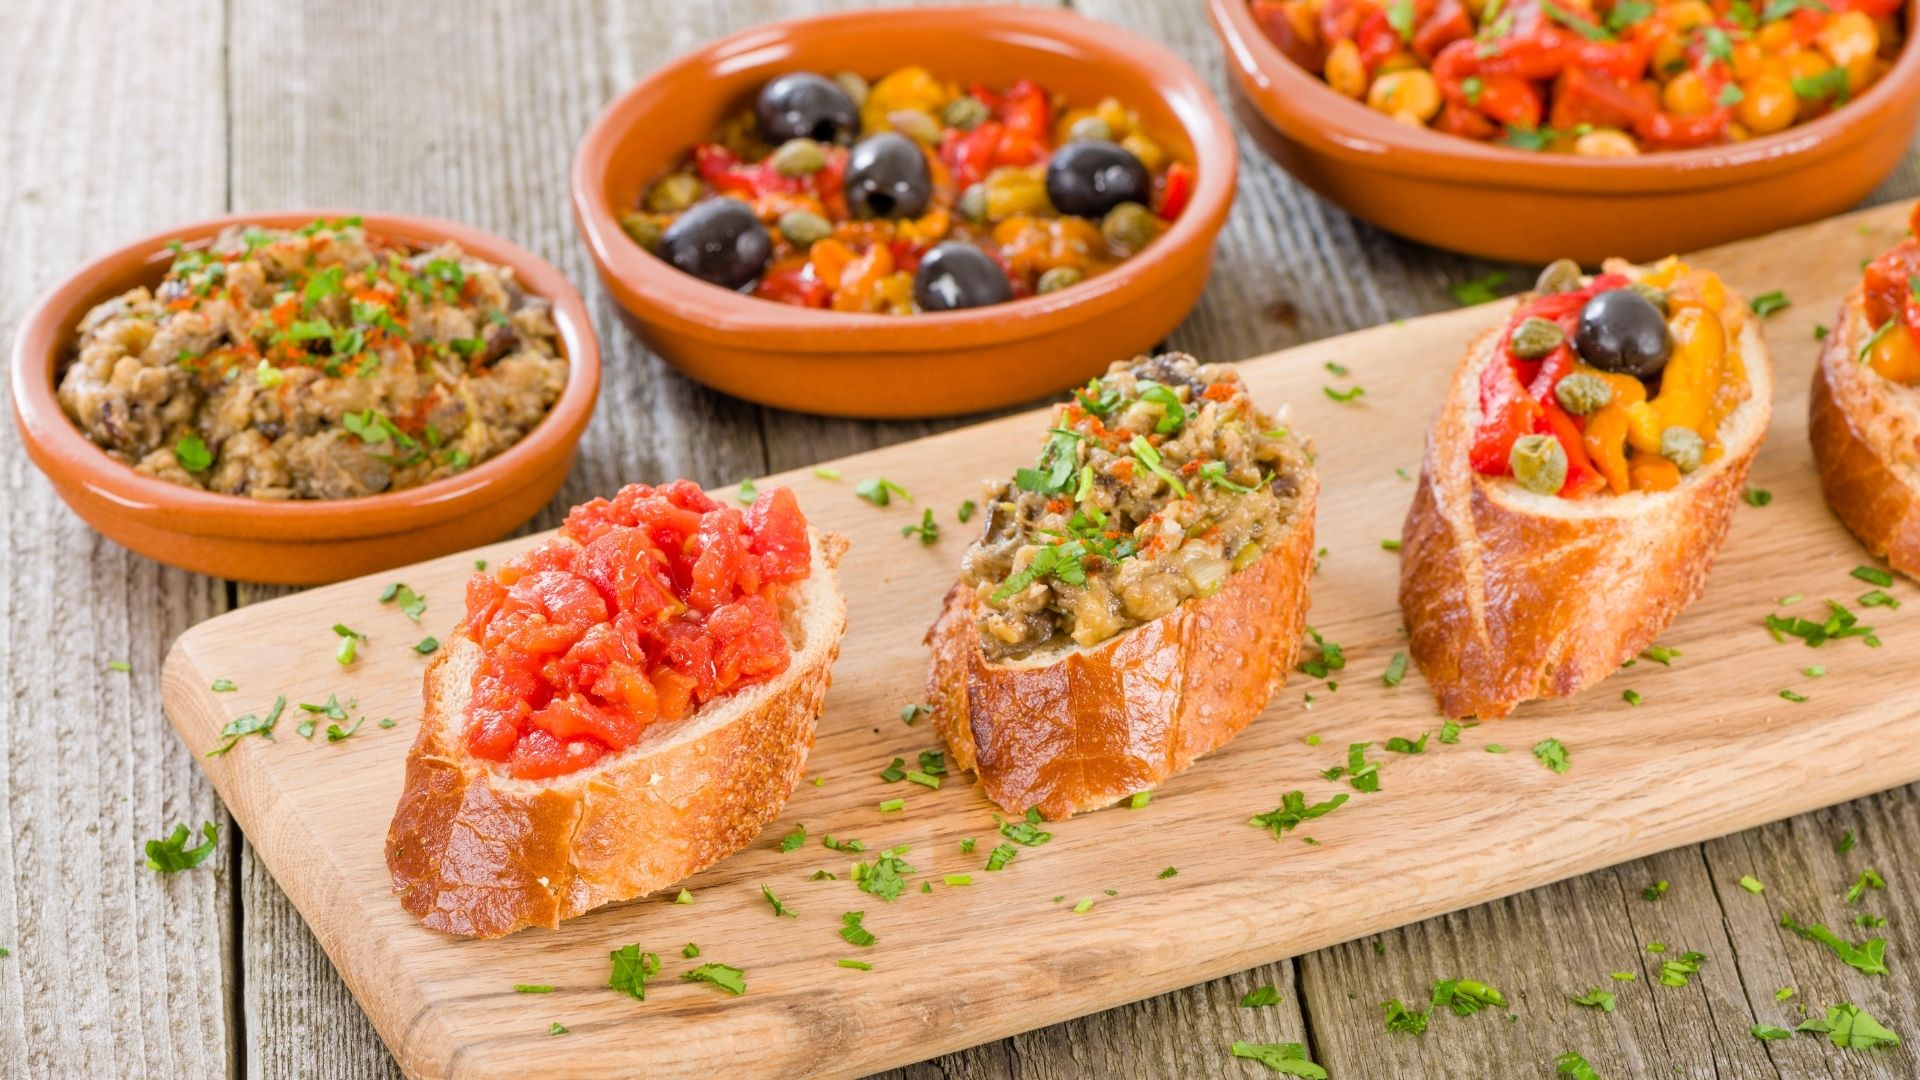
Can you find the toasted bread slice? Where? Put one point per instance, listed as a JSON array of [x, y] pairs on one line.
[[1077, 728], [1865, 431], [481, 854], [1510, 595]]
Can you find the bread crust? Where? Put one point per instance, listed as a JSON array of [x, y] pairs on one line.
[[1864, 445], [479, 854], [1122, 716], [1506, 602]]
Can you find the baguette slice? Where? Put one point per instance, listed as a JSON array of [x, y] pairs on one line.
[[1865, 431], [480, 854], [1511, 595], [1077, 728]]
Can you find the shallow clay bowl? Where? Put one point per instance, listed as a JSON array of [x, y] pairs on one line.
[[1503, 203], [904, 365], [294, 542]]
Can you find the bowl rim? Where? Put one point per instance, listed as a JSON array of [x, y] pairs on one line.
[[708, 312], [68, 457], [1340, 126]]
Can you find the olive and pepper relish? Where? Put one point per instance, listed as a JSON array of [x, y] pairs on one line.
[[1614, 385], [1156, 482], [912, 194], [1598, 78], [1892, 286], [318, 363]]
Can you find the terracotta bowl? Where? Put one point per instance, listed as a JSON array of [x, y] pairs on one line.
[[914, 365], [299, 542], [1502, 203]]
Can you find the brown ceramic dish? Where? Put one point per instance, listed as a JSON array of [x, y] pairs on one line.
[[1504, 203], [925, 364], [295, 543]]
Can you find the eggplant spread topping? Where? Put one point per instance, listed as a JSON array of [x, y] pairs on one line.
[[1155, 483]]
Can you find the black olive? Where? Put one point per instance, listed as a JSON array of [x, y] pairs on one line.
[[718, 240], [806, 106], [1087, 178], [958, 275], [887, 177], [1621, 331]]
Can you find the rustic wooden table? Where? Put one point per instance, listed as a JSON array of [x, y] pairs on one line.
[[117, 119]]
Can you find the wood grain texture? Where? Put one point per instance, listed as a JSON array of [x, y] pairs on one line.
[[116, 971], [1454, 826]]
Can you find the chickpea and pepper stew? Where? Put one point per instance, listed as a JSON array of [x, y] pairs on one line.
[[911, 194], [1892, 285], [1611, 385], [1599, 78]]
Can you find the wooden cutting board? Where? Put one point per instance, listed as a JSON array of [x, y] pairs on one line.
[[1713, 749]]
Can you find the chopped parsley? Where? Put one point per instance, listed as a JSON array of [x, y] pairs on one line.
[[426, 646], [928, 530], [532, 988], [883, 878], [1398, 745], [893, 805], [1292, 811], [1839, 623], [1844, 844], [1149, 459], [1396, 671], [171, 854], [965, 513], [1631, 697], [1758, 496], [1450, 731], [747, 492], [1654, 891], [1026, 832], [1794, 696], [410, 602], [1676, 971], [1573, 1065], [857, 965], [853, 932], [1661, 655], [826, 472], [794, 839], [1260, 997], [1331, 658], [631, 970], [1167, 873], [1139, 800], [1595, 998], [1001, 855], [350, 640], [120, 666], [880, 491], [1552, 754], [555, 1028], [853, 846], [250, 724], [910, 713], [223, 686], [1349, 394], [1873, 575], [1849, 1026], [192, 453], [1466, 996], [1400, 1019], [1752, 884], [1287, 1059], [1868, 879], [1479, 290], [730, 979], [1769, 302], [780, 910]]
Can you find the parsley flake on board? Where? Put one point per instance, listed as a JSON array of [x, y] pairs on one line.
[[631, 970], [1758, 496], [794, 839], [1769, 1033], [1868, 957], [410, 602], [1552, 754], [171, 854], [1868, 879], [350, 640], [1168, 872], [1351, 393], [928, 530], [1001, 855], [747, 492], [1844, 844], [192, 453], [1287, 1059], [1676, 971], [250, 724], [730, 979], [1364, 775], [1398, 745], [883, 879], [880, 491], [223, 686], [556, 1028], [1654, 891], [915, 711], [1293, 810], [779, 909], [1573, 1065], [1260, 997], [1139, 800], [1026, 832], [1331, 658], [1479, 290], [829, 842], [1450, 731], [1403, 1020], [532, 988], [1595, 998], [1850, 1027], [826, 472], [1768, 303], [1839, 623], [1661, 655], [427, 646], [1396, 671], [1466, 996], [853, 932], [1752, 884]]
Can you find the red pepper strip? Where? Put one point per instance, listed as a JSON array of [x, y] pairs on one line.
[[1666, 130], [1274, 20], [1584, 95], [1879, 9], [794, 285], [719, 167], [1582, 478], [1342, 18], [1507, 412], [1447, 24], [1558, 365], [970, 153], [1458, 119], [1177, 191], [1377, 40]]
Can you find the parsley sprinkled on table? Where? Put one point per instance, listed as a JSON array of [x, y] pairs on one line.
[[171, 854]]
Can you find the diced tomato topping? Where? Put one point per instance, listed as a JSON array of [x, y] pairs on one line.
[[648, 605]]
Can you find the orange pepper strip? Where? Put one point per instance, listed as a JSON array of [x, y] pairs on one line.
[[1650, 472], [1606, 442]]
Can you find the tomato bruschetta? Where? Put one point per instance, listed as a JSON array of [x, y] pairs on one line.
[[625, 704], [1134, 599], [1578, 481], [1864, 419]]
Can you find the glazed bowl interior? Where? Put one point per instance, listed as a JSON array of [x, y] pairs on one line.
[[646, 133], [45, 343]]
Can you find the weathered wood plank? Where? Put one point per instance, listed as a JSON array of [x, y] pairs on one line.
[[116, 970]]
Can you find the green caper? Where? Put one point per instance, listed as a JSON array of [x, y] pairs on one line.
[[1058, 278], [673, 193], [803, 228], [965, 112], [1090, 128], [1535, 337], [1682, 446], [644, 230], [1561, 275], [1658, 297], [916, 124], [799, 157], [972, 203], [1581, 393], [1539, 463], [1129, 226], [855, 86]]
